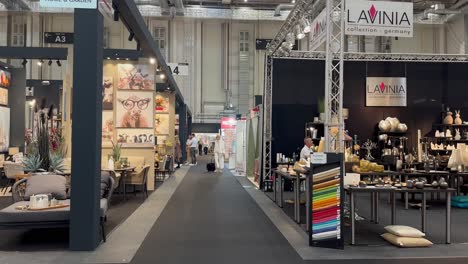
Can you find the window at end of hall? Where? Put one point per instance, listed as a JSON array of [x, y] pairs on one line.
[[244, 41]]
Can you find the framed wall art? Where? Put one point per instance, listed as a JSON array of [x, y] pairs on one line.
[[107, 128], [4, 96], [161, 126], [107, 93], [134, 109], [135, 77], [161, 103], [4, 129], [135, 137]]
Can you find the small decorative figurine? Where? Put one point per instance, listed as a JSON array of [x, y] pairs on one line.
[[448, 120], [457, 134], [458, 120]]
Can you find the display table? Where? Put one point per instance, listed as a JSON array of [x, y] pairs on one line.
[[297, 179], [424, 193], [375, 194]]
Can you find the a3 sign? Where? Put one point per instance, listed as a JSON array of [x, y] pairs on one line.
[[58, 38]]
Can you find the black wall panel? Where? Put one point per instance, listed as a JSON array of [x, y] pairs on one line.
[[297, 85]]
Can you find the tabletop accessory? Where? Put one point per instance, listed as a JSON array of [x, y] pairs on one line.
[[458, 120]]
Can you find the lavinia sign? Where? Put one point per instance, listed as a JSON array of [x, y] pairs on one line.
[[379, 18], [386, 91]]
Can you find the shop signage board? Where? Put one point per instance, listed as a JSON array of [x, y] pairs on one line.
[[84, 4], [318, 158], [58, 38], [379, 18], [179, 69], [319, 31], [261, 44], [386, 91], [228, 123]]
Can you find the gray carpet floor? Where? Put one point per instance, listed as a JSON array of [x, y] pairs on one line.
[[211, 219]]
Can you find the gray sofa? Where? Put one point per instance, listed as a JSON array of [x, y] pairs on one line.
[[11, 218]]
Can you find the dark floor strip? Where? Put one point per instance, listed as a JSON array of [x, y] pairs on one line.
[[211, 219]]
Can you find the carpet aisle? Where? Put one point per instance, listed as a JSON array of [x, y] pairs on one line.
[[211, 219]]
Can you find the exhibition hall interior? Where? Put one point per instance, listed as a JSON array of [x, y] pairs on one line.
[[233, 131]]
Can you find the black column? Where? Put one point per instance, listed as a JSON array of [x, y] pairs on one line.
[[17, 101], [183, 130], [86, 130]]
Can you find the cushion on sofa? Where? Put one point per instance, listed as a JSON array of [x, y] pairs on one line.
[[105, 183], [404, 231], [45, 184], [11, 215], [406, 242]]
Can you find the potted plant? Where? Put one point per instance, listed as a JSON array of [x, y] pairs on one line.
[[321, 108], [116, 151]]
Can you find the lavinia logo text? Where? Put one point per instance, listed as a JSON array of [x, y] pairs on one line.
[[372, 16], [383, 88]]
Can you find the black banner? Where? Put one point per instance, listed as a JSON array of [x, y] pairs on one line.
[[261, 44], [58, 38]]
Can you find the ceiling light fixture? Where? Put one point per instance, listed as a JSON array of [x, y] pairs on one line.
[[162, 76], [39, 63], [50, 62], [152, 61], [59, 63], [305, 24], [299, 33], [293, 1]]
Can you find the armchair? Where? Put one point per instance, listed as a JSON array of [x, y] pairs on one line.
[[139, 178]]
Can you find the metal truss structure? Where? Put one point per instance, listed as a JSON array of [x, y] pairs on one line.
[[387, 57], [334, 57], [334, 44]]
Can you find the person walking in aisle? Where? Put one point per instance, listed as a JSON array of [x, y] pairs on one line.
[[177, 152], [193, 149], [188, 144], [219, 153]]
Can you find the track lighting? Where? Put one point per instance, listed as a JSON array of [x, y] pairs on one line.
[[49, 63], [131, 36], [305, 24], [299, 33], [24, 62], [39, 63], [59, 63]]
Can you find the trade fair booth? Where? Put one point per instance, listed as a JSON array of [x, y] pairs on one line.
[[110, 119], [386, 134]]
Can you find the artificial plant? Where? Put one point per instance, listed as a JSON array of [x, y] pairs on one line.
[[46, 149], [116, 151]]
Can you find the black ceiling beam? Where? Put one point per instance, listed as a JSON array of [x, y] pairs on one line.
[[33, 53], [132, 19], [114, 54]]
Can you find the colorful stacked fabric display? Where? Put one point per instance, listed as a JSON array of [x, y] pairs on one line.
[[326, 205]]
